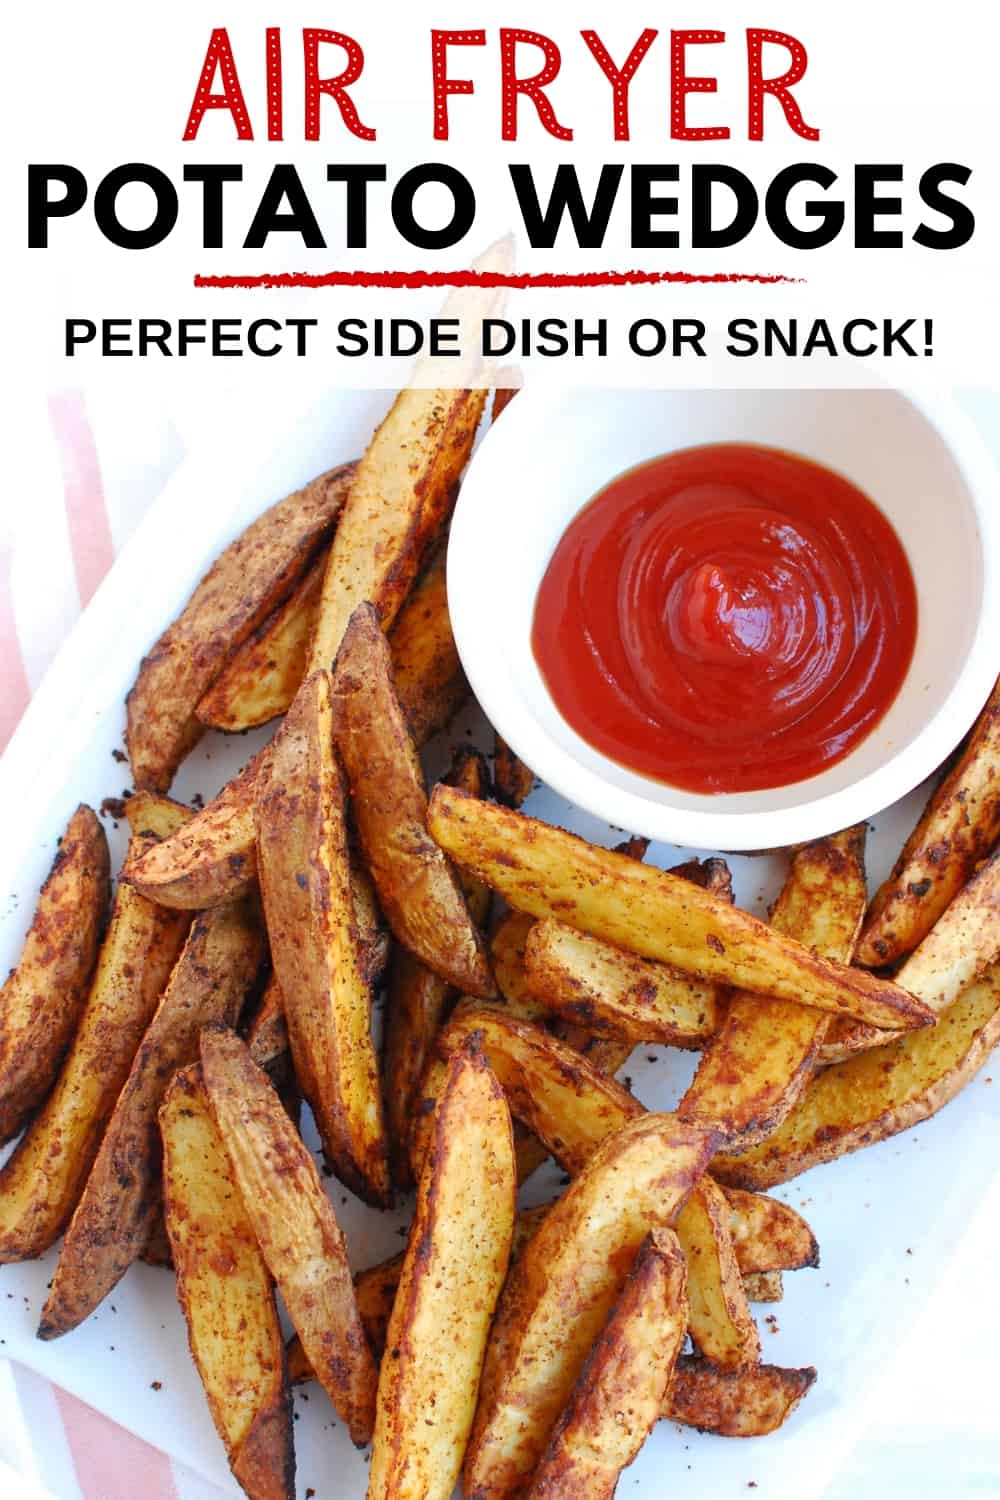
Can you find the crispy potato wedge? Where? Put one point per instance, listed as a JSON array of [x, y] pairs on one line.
[[226, 1295], [42, 1181], [621, 1389], [734, 1403], [295, 1225], [426, 668], [241, 588], [113, 1219], [513, 779], [455, 1264], [768, 1235], [212, 859], [153, 813], [507, 947], [616, 994], [551, 873], [764, 1286], [721, 1324], [267, 1033], [259, 681], [156, 1251], [418, 999], [417, 887], [958, 828], [559, 1294], [42, 998], [399, 500], [315, 949], [752, 1072], [875, 1095]]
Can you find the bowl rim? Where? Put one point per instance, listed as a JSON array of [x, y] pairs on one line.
[[813, 816]]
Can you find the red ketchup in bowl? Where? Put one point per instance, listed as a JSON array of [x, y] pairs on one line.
[[726, 618]]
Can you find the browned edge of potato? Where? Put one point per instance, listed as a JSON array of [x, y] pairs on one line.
[[957, 829], [455, 1264], [620, 1392], [735, 1403], [551, 873], [878, 1093], [43, 1179], [417, 887], [754, 1069], [240, 589], [426, 667], [122, 1197], [43, 996], [720, 1322], [513, 779], [559, 1294], [226, 1294], [305, 883]]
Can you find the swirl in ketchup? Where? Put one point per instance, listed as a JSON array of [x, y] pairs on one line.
[[726, 618]]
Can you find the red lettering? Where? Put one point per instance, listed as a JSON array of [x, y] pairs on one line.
[[219, 55], [779, 87], [315, 87], [533, 88], [681, 85], [620, 78], [274, 106], [443, 85]]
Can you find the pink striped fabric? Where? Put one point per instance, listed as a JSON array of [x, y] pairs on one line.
[[90, 534], [110, 1463], [14, 690]]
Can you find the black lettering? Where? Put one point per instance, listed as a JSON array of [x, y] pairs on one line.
[[106, 206], [212, 178], [284, 184], [705, 233], [868, 205], [254, 345], [961, 219], [356, 180], [78, 331], [42, 208], [831, 215], [542, 225], [743, 338], [646, 205], [463, 213]]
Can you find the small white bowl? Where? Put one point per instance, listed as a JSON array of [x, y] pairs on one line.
[[916, 456]]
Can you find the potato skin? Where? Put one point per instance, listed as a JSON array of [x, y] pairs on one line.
[[876, 1094], [294, 1223], [226, 1296], [454, 1268], [42, 1181], [559, 1294], [551, 873], [620, 1392], [426, 668], [44, 995], [768, 1235], [957, 829], [514, 780], [734, 1403], [122, 1197], [417, 887], [721, 1324], [240, 589]]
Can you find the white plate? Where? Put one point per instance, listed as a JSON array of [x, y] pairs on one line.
[[913, 1193]]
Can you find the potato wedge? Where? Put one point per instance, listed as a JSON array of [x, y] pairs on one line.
[[241, 588], [764, 1286], [418, 1000], [43, 1179], [734, 1403], [878, 1093], [455, 1264], [267, 1033], [752, 1072], [721, 1324], [958, 828], [514, 780], [768, 1235], [212, 859], [313, 931], [558, 1296], [294, 1223], [417, 887], [226, 1295], [399, 500], [42, 998], [426, 668], [157, 815], [113, 1219], [551, 873], [621, 1389]]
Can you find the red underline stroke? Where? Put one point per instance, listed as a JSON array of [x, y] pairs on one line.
[[518, 281]]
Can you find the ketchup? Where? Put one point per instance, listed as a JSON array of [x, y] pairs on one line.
[[726, 618]]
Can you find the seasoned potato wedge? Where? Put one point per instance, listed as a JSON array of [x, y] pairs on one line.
[[721, 1324], [875, 1095], [551, 873], [313, 931], [752, 1072], [559, 1294], [113, 1219], [620, 1393], [958, 828], [454, 1267], [294, 1223], [159, 816], [42, 1181], [426, 668], [417, 887], [267, 1033], [734, 1403], [43, 996], [514, 780], [768, 1235], [227, 1296], [418, 999], [241, 588], [764, 1286], [507, 948], [212, 859], [398, 503]]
